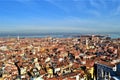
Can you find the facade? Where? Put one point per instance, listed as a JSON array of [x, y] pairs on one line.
[[105, 72]]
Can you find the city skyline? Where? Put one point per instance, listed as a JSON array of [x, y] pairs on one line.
[[59, 15]]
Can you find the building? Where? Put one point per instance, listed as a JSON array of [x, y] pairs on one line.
[[107, 72]]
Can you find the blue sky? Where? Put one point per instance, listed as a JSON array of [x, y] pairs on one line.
[[59, 15]]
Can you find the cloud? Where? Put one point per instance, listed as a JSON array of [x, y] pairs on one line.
[[103, 3], [58, 5], [98, 3], [117, 11], [94, 13], [94, 3], [23, 0]]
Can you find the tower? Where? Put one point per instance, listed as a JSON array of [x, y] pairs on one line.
[[18, 38], [86, 43]]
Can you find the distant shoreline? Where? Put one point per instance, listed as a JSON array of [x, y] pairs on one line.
[[56, 35]]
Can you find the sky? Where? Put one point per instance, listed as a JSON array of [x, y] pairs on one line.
[[59, 15]]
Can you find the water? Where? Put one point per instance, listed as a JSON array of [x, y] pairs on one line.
[[57, 35], [115, 35]]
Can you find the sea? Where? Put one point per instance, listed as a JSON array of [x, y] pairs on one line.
[[56, 35]]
